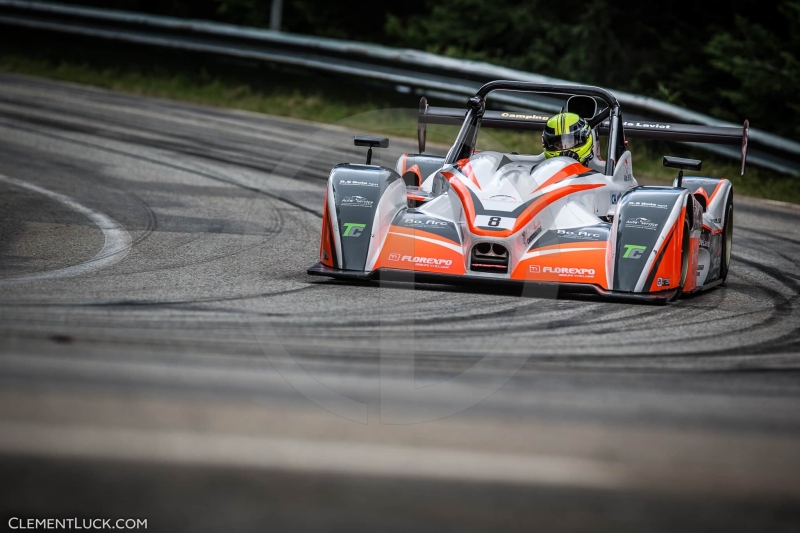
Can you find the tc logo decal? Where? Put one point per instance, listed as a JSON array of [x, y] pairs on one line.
[[353, 230], [633, 251]]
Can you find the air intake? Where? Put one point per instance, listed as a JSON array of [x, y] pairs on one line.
[[489, 257]]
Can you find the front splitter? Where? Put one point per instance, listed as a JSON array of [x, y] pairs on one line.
[[537, 288]]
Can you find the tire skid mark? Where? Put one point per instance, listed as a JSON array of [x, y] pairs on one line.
[[117, 241], [212, 177]]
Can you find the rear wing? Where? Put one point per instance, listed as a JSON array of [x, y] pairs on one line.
[[633, 129]]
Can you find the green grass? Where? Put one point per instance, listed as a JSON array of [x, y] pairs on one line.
[[326, 100]]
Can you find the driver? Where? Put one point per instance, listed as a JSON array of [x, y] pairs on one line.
[[567, 134]]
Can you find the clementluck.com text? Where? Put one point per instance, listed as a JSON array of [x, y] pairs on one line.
[[77, 523]]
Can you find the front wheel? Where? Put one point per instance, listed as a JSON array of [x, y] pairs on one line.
[[685, 254]]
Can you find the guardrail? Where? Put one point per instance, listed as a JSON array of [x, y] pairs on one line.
[[438, 76]]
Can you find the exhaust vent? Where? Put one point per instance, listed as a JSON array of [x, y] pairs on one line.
[[489, 257]]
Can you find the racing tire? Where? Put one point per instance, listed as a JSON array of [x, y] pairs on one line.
[[727, 239], [686, 243]]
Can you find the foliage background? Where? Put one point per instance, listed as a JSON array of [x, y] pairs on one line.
[[733, 61]]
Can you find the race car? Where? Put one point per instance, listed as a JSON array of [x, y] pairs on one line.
[[489, 217]]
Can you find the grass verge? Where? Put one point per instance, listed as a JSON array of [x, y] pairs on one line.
[[326, 100]]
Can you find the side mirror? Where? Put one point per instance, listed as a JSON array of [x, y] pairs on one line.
[[583, 106], [682, 164], [372, 142]]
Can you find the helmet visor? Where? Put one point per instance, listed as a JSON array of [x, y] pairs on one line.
[[564, 141]]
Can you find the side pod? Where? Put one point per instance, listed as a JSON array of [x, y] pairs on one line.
[[360, 203]]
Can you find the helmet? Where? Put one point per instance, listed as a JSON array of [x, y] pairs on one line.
[[567, 134]]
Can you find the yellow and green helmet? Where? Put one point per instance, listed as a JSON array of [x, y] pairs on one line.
[[567, 134]]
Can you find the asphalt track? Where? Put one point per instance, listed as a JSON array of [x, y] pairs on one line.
[[163, 354]]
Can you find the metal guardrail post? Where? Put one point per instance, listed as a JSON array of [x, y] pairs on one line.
[[275, 15]]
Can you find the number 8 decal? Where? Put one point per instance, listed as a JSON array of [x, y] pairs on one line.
[[494, 222]]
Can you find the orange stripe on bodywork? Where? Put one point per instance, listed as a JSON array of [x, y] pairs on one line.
[[525, 217], [716, 190], [670, 264], [422, 233], [466, 168], [325, 248], [568, 171], [402, 253], [600, 245]]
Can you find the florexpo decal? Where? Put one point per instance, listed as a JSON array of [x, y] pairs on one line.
[[420, 260], [563, 271]]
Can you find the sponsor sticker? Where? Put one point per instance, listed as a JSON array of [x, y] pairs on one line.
[[351, 229], [663, 282], [641, 223], [422, 261], [356, 201], [580, 234], [411, 221], [615, 197], [652, 205], [525, 117], [528, 236], [650, 125], [563, 272], [501, 198], [633, 251], [358, 183]]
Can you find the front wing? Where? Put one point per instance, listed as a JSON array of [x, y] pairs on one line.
[[532, 288]]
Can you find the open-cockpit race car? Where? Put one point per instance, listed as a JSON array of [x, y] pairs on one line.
[[484, 216]]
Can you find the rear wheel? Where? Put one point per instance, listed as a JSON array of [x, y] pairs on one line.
[[727, 239]]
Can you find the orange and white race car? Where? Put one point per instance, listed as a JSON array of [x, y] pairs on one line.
[[491, 217]]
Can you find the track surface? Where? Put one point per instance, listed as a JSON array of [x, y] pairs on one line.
[[165, 356]]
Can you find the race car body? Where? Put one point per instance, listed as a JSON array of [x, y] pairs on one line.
[[485, 216]]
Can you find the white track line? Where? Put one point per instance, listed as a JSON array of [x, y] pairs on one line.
[[116, 247]]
